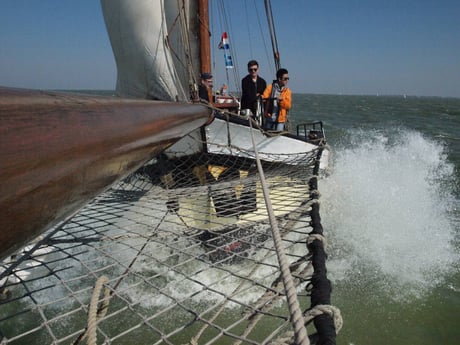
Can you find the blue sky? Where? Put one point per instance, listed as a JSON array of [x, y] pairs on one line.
[[350, 47]]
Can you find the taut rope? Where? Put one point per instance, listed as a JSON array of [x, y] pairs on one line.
[[297, 320]]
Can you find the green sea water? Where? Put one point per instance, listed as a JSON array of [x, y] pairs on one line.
[[390, 209]]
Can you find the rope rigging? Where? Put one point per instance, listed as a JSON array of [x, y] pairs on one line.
[[271, 25], [294, 307]]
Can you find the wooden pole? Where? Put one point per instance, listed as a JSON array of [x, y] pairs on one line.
[[58, 151], [205, 34]]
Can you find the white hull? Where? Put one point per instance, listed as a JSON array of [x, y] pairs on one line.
[[234, 139]]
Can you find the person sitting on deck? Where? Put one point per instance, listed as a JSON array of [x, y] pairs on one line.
[[277, 97], [205, 88], [252, 86]]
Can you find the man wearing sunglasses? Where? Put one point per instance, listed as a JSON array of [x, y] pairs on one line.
[[252, 87], [277, 98]]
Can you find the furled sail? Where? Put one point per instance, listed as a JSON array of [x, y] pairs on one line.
[[154, 43]]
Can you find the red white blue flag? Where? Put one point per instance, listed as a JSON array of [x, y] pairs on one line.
[[225, 45]]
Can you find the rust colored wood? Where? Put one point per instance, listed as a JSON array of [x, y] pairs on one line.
[[58, 151], [205, 40]]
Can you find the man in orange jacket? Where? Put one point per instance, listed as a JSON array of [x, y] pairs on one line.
[[278, 99]]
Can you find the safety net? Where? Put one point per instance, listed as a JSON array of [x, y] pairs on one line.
[[182, 251]]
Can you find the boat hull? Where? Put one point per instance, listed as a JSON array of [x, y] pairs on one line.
[[233, 137], [58, 151]]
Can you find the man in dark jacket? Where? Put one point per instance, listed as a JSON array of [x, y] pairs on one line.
[[252, 86]]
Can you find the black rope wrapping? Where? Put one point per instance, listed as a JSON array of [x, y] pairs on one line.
[[316, 220], [321, 294], [320, 287]]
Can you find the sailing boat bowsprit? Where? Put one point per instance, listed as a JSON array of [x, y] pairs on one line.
[[180, 227]]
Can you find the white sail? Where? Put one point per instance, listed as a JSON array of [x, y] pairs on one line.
[[151, 43]]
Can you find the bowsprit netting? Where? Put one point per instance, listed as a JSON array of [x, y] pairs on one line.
[[179, 252]]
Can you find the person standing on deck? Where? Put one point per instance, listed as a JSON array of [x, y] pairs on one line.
[[252, 86], [277, 97], [205, 88]]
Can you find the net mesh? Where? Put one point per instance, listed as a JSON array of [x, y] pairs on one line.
[[186, 250]]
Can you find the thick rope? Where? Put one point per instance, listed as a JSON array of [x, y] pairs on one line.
[[95, 313], [320, 309], [266, 302], [297, 321], [330, 310], [321, 238]]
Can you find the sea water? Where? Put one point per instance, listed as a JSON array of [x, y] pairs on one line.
[[390, 209]]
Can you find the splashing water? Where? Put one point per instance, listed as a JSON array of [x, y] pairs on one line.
[[388, 208]]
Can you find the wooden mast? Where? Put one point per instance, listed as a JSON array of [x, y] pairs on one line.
[[205, 40]]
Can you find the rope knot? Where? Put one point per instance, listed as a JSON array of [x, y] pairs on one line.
[[326, 309], [313, 237]]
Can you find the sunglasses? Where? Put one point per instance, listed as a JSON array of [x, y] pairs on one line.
[[285, 79], [252, 69]]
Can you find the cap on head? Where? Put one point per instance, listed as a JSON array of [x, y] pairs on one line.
[[206, 76]]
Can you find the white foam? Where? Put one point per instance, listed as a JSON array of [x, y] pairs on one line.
[[388, 208]]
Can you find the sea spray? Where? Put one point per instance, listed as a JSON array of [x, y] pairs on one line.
[[386, 208]]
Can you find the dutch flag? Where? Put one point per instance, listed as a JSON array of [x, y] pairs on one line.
[[224, 44]]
